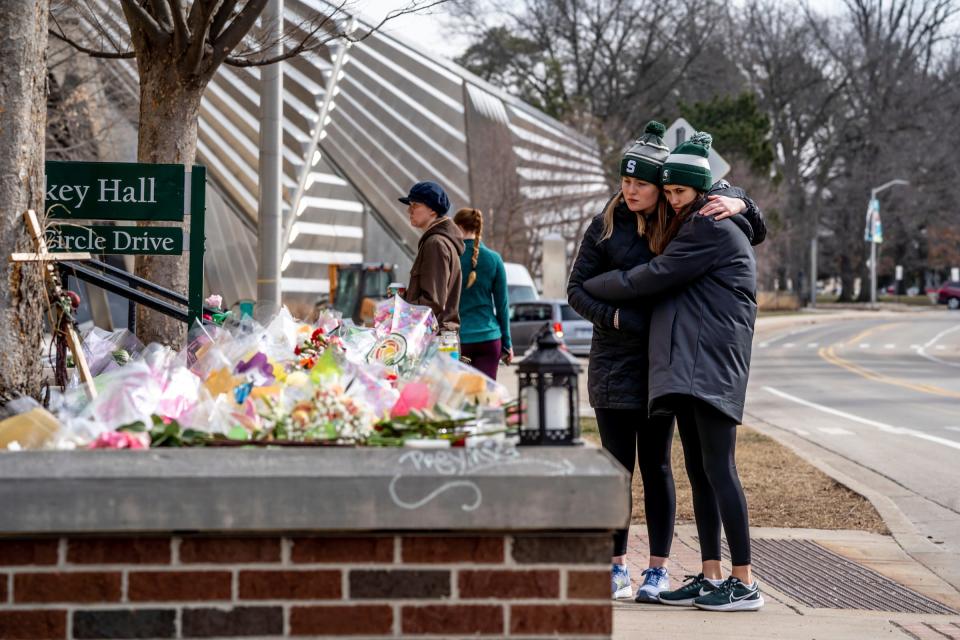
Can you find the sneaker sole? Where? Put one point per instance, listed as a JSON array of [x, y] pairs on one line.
[[740, 605], [688, 602], [643, 596], [625, 592]]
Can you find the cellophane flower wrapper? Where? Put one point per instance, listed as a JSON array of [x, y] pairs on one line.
[[100, 347], [404, 334], [358, 342], [457, 385], [124, 396], [371, 385]]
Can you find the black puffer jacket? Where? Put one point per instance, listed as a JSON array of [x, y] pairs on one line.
[[701, 329], [617, 373]]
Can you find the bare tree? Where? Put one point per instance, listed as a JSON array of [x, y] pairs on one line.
[[604, 67], [786, 67], [179, 45], [23, 40], [891, 53]]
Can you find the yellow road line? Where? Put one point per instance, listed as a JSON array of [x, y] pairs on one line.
[[830, 355]]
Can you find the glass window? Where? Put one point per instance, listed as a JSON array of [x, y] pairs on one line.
[[532, 313], [567, 313], [521, 293]]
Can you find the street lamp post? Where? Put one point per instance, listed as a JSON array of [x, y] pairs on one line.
[[873, 211]]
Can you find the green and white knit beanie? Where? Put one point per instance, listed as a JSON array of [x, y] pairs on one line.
[[645, 157], [688, 164]]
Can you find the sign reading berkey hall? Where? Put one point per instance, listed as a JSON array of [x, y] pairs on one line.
[[114, 191]]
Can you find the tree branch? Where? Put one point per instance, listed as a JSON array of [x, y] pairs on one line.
[[200, 24], [181, 38], [139, 19], [220, 18], [93, 53], [162, 13], [234, 34]]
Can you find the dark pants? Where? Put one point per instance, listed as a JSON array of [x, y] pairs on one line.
[[631, 437], [709, 448], [484, 356]]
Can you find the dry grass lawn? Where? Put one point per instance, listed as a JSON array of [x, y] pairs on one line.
[[782, 489]]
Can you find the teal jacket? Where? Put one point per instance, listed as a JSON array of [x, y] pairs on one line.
[[484, 314]]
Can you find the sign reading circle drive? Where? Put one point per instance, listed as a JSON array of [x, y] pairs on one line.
[[129, 192]]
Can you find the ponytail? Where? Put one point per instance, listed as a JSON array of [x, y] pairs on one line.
[[471, 221]]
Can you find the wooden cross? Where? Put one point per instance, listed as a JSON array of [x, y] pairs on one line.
[[47, 259]]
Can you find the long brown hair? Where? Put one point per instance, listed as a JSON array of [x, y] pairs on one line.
[[675, 219], [661, 227], [471, 221]]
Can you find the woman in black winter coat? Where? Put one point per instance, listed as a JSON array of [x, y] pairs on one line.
[[701, 330], [630, 232]]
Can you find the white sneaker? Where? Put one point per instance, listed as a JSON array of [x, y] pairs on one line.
[[656, 579], [620, 585]]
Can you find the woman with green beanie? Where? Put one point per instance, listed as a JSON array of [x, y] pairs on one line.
[[484, 303], [701, 330], [630, 231]]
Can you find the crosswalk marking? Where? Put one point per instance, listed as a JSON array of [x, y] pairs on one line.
[[889, 346], [813, 345], [864, 345], [789, 345]]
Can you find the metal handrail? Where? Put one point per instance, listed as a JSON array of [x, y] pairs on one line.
[[130, 291]]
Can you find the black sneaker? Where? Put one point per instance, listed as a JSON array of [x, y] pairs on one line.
[[695, 587], [732, 595]]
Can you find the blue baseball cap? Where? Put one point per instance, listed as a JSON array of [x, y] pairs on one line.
[[430, 194]]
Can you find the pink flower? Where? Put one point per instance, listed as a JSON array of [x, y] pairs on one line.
[[121, 440], [215, 301]]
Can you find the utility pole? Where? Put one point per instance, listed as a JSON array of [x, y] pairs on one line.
[[269, 219], [813, 271], [873, 232]]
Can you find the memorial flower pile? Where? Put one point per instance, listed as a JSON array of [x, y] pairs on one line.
[[283, 383]]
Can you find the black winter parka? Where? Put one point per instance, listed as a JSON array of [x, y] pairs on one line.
[[701, 327], [617, 376]]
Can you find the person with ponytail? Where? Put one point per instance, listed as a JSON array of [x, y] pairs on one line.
[[631, 230], [484, 314], [703, 287]]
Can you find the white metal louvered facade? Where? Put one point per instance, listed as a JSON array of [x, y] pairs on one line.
[[361, 123]]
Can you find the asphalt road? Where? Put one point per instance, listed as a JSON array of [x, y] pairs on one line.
[[881, 392]]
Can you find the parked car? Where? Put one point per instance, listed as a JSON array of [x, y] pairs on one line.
[[527, 318], [520, 286], [949, 294]]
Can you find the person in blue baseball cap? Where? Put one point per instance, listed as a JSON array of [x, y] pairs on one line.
[[435, 275]]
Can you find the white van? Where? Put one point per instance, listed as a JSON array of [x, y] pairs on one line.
[[520, 286]]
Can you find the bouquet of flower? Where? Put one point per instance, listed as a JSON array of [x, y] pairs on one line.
[[314, 346], [328, 415]]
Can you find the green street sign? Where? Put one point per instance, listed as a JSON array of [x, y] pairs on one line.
[[115, 240], [114, 191]]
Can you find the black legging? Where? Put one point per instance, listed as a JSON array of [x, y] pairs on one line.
[[709, 447], [625, 433]]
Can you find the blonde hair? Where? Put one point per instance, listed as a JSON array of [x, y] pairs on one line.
[[658, 235], [471, 221]]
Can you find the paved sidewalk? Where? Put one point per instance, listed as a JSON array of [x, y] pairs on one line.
[[784, 617]]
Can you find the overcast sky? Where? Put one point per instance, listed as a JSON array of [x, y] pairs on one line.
[[430, 29]]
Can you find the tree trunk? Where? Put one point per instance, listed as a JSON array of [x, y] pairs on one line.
[[169, 112], [23, 117], [846, 279]]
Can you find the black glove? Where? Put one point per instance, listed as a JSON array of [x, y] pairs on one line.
[[632, 320]]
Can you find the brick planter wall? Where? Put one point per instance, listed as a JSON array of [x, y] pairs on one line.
[[284, 585]]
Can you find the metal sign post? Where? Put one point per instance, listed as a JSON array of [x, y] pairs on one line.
[[873, 232]]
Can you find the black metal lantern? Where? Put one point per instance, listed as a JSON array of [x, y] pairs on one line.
[[549, 394]]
